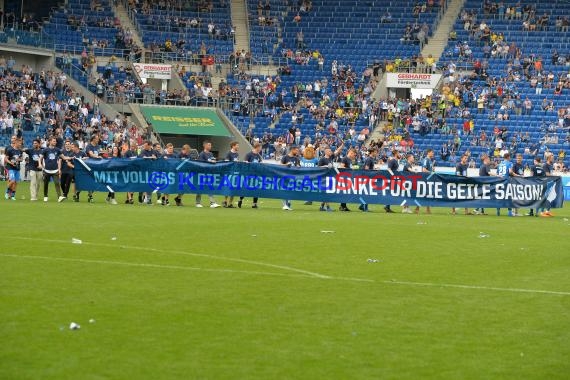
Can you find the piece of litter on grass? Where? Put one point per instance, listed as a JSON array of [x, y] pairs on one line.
[[483, 235], [114, 238], [327, 232], [74, 326], [91, 320], [76, 241], [372, 260]]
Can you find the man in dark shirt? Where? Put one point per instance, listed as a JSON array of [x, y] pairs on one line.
[[461, 170], [129, 152], [186, 153], [290, 159], [428, 166], [252, 157], [548, 169], [484, 171], [206, 155], [92, 152], [33, 164], [147, 153], [12, 159], [537, 171], [50, 162], [346, 163], [327, 160], [408, 169], [66, 169], [518, 171], [369, 163], [80, 155], [233, 156], [167, 155], [393, 166]]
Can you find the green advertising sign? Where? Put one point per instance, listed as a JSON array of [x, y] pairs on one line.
[[185, 121]]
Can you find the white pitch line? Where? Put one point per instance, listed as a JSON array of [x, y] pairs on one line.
[[178, 267], [157, 266], [459, 286], [148, 249]]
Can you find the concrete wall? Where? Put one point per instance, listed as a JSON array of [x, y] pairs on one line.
[[37, 59]]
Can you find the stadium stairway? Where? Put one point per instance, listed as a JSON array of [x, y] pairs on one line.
[[436, 45], [123, 16], [239, 21]]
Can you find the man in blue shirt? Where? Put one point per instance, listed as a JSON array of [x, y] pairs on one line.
[[327, 160], [50, 162], [428, 166], [36, 175], [393, 166], [461, 170], [346, 163], [252, 157], [92, 152], [484, 171], [147, 153], [505, 170], [206, 155], [167, 155], [79, 154], [369, 163], [232, 156], [66, 169], [13, 158], [518, 171], [290, 159], [537, 171], [548, 169]]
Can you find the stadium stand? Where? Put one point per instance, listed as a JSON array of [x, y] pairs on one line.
[[175, 33], [513, 67], [339, 48], [91, 25]]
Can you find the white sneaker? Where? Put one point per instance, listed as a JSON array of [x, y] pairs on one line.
[[45, 199], [113, 201], [287, 208], [214, 205], [199, 205], [61, 199]]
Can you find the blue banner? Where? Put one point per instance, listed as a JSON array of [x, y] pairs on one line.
[[174, 176]]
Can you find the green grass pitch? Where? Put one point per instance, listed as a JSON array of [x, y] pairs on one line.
[[187, 293]]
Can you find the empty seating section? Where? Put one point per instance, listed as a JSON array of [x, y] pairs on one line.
[[264, 33], [77, 26], [351, 31], [159, 25]]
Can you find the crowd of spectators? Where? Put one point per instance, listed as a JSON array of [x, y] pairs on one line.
[[43, 104]]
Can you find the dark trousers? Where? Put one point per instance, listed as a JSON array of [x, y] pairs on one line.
[[66, 179]]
